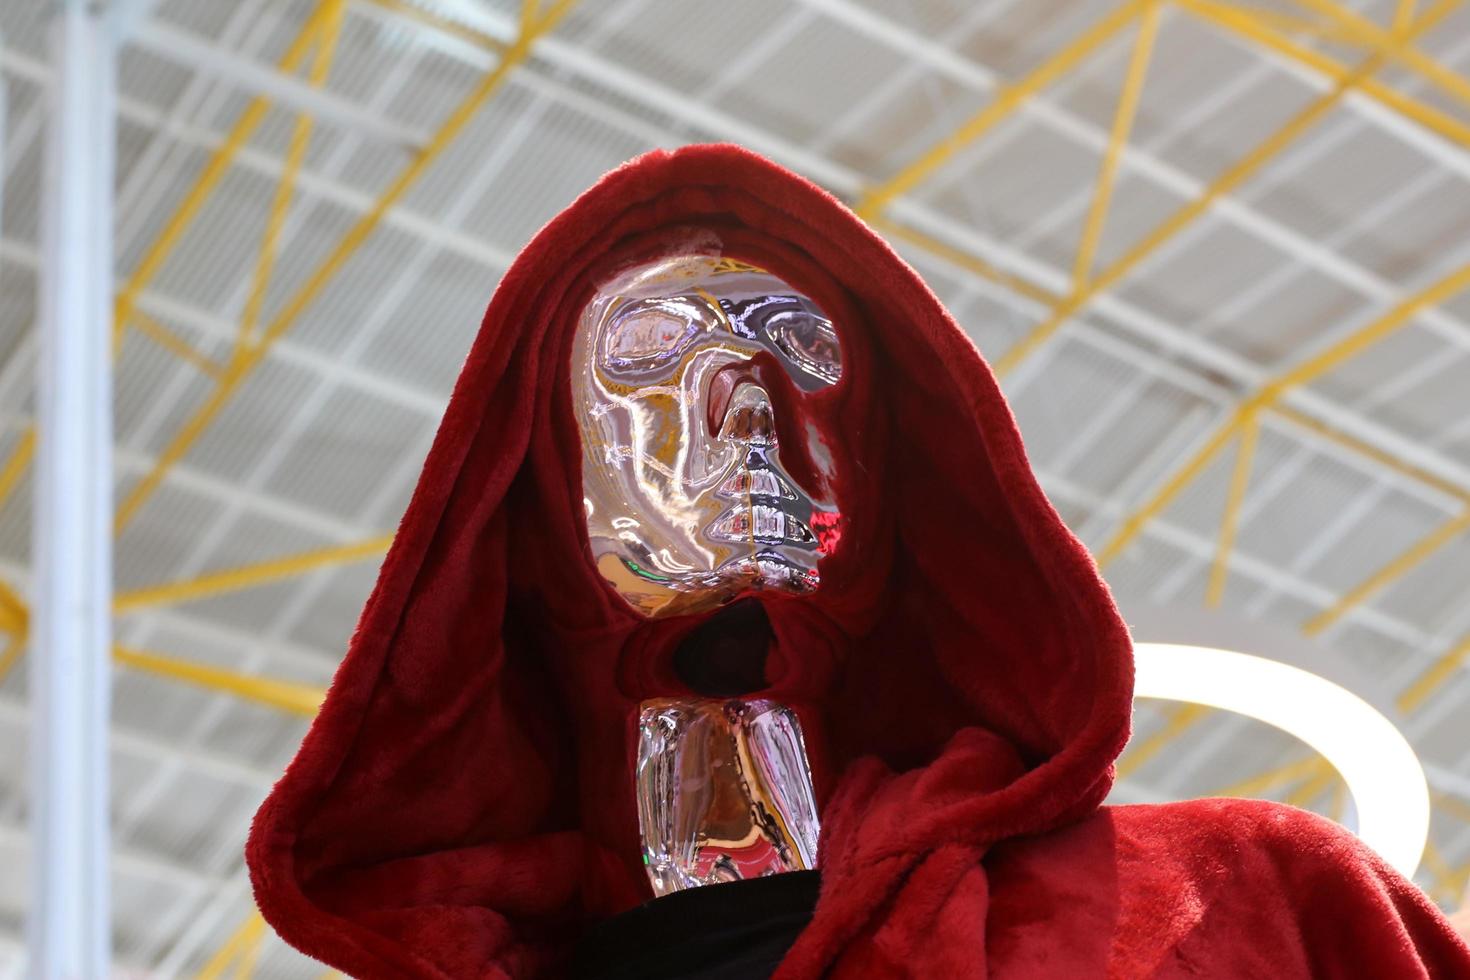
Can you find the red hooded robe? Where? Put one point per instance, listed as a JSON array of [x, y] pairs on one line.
[[462, 806]]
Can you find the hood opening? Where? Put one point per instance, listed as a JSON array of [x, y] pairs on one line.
[[725, 655], [464, 802]]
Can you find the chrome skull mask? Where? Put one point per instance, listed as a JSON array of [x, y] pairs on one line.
[[674, 369]]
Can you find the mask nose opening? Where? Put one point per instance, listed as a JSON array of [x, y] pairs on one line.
[[738, 403]]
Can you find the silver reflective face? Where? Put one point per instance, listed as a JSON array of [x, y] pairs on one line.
[[687, 502], [724, 792]]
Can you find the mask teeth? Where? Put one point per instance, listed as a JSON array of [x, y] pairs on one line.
[[769, 524], [737, 484], [755, 483], [732, 525], [760, 523]]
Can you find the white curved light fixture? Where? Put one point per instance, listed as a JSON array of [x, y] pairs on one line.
[[1381, 769]]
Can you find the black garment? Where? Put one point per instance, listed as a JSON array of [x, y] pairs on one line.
[[736, 931]]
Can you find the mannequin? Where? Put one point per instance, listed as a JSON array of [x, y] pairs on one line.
[[688, 507], [465, 805]]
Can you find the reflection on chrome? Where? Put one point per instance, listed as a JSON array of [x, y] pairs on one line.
[[687, 503], [724, 792]]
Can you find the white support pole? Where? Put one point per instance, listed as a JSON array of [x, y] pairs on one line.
[[68, 927]]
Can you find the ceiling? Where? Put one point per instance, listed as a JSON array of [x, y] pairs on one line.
[[1274, 267]]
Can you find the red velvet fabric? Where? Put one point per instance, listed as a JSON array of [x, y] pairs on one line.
[[462, 807]]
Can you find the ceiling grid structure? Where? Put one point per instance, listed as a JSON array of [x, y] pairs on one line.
[[1136, 363]]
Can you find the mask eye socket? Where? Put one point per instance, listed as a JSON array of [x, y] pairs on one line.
[[648, 334], [808, 341]]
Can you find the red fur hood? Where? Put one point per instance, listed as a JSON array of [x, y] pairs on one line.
[[462, 807]]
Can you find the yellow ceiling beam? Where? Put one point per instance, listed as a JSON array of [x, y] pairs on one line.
[[15, 619], [214, 171], [1240, 22], [1135, 522], [1313, 787], [326, 48], [1261, 782], [173, 343], [1388, 460], [15, 466], [14, 613], [238, 950], [1309, 370], [1290, 24], [234, 374], [1233, 177], [1360, 340], [1337, 805], [1401, 565], [1063, 307], [1127, 108], [289, 696], [965, 260], [1007, 99], [530, 10], [1435, 676], [249, 576], [1394, 45], [324, 26], [1245, 455], [248, 357], [1403, 14], [1452, 805], [1178, 719], [125, 309]]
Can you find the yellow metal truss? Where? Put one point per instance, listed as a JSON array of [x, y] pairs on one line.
[[214, 171], [1313, 787], [1007, 100], [1240, 22], [1226, 183], [1395, 569], [1270, 30], [1239, 481], [1263, 782], [174, 344], [240, 951], [19, 462], [1272, 391], [1143, 47], [251, 352], [319, 33], [1177, 719], [265, 263], [289, 696], [1363, 30], [1435, 676], [249, 576]]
